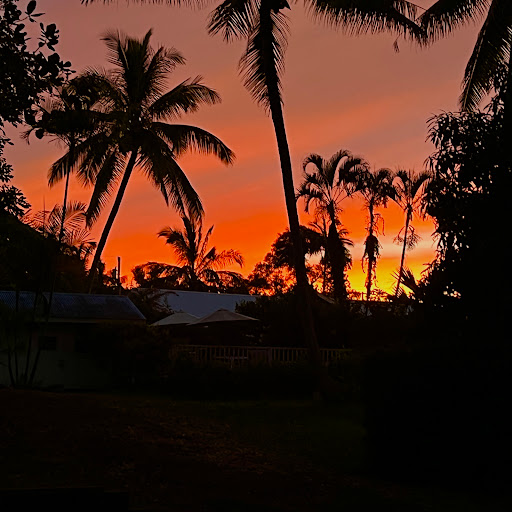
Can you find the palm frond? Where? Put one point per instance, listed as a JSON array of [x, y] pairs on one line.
[[444, 16], [183, 138], [186, 97], [490, 54], [163, 62], [105, 183], [262, 63], [179, 243], [225, 258], [235, 19], [361, 17], [158, 163]]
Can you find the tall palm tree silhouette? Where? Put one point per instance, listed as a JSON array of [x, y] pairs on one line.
[[265, 27], [377, 189], [326, 186], [199, 264], [409, 191], [492, 50], [134, 133]]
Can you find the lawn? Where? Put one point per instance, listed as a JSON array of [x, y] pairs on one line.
[[204, 456]]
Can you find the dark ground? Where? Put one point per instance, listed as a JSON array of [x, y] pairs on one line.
[[204, 456]]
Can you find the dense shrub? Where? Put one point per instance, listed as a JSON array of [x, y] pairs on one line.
[[440, 413]]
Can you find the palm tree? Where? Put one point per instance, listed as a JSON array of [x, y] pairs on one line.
[[492, 51], [133, 132], [198, 264], [377, 189], [409, 192], [69, 118], [326, 186], [265, 27], [71, 231]]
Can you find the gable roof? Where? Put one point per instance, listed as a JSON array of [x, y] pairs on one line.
[[74, 307], [176, 319], [200, 303], [223, 316]]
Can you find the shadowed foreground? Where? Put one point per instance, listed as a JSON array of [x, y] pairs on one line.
[[201, 456]]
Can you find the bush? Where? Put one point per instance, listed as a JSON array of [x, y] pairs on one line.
[[440, 413]]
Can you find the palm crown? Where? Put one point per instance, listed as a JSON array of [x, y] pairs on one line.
[[131, 129], [331, 181], [326, 184], [199, 264], [409, 192], [493, 45], [377, 190]]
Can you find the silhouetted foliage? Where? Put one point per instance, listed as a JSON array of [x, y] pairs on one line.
[[275, 276], [133, 130], [12, 200], [29, 260], [468, 200], [376, 189], [326, 186], [199, 265], [26, 71], [409, 191], [492, 48], [436, 413], [65, 225]]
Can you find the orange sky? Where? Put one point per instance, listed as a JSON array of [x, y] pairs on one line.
[[340, 92]]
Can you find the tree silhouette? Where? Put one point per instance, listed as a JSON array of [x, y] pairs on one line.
[[376, 190], [492, 48], [12, 200], [133, 132], [265, 27], [66, 226], [68, 117], [199, 265], [409, 190], [326, 186]]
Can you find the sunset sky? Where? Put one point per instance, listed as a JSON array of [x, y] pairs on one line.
[[339, 92]]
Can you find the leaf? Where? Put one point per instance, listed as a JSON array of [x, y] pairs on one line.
[[31, 7]]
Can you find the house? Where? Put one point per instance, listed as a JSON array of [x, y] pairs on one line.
[[61, 332]]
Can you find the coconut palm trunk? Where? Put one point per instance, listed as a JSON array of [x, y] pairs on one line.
[[371, 254], [276, 111], [66, 187], [110, 221], [404, 246], [337, 258]]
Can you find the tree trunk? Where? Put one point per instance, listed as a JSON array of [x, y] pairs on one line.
[[336, 259], [402, 260], [305, 313], [66, 188], [371, 256], [111, 218]]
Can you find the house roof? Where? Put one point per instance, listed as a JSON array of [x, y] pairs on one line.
[[176, 319], [74, 307], [223, 316], [200, 304]]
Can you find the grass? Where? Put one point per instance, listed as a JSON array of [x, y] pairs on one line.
[[206, 456]]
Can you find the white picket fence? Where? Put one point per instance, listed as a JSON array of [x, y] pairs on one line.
[[243, 356]]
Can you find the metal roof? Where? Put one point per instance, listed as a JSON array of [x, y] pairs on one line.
[[75, 307], [176, 319], [200, 303], [224, 316]]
